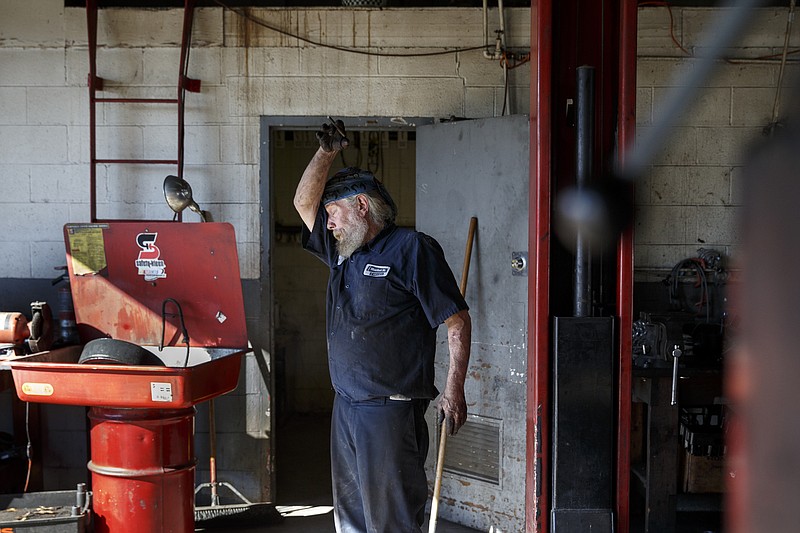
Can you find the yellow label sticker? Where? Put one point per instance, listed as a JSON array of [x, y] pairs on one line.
[[37, 389], [87, 249]]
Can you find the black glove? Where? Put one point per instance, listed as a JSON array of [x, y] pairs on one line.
[[451, 415], [332, 138], [449, 423]]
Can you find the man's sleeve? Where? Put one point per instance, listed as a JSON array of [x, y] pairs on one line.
[[434, 283], [320, 242]]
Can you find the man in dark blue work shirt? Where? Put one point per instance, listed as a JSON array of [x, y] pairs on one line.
[[389, 290]]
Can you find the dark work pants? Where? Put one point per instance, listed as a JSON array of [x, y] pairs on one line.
[[378, 450]]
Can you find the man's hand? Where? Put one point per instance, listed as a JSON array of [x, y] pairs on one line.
[[452, 406], [452, 411], [332, 137]]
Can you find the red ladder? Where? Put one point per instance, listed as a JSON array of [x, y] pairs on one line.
[[96, 84]]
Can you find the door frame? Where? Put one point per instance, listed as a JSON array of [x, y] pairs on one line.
[[267, 124]]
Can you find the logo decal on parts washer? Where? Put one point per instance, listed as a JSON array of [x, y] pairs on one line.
[[376, 271], [148, 262]]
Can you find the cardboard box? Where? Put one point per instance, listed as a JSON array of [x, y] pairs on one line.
[[703, 473]]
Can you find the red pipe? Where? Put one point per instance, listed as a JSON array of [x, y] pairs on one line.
[[537, 473], [627, 126]]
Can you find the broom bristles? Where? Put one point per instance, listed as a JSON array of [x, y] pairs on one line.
[[237, 514]]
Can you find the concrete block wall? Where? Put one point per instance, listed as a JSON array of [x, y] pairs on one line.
[[246, 71], [691, 197], [64, 445]]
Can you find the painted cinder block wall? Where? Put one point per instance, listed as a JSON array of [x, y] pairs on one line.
[[248, 71], [692, 196]]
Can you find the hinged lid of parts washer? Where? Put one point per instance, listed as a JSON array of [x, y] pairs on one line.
[[128, 278]]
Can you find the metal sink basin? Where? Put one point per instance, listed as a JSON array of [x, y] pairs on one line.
[[56, 377]]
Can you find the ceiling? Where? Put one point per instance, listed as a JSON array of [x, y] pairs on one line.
[[386, 3], [299, 3]]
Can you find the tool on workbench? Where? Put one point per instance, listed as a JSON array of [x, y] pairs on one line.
[[676, 353]]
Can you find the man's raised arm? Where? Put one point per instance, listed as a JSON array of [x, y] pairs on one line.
[[312, 184]]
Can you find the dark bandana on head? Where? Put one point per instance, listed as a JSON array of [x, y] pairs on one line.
[[352, 181]]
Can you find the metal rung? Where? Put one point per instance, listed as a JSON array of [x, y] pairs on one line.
[[107, 220], [138, 161], [138, 100]]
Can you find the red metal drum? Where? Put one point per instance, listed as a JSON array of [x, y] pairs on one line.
[[142, 469]]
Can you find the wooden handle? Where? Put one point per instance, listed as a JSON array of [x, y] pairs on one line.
[[437, 484], [212, 460], [473, 225]]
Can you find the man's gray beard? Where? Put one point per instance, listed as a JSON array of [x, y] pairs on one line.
[[353, 237]]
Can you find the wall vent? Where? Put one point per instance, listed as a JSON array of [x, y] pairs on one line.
[[475, 450]]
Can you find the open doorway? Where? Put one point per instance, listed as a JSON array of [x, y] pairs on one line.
[[302, 396], [451, 171]]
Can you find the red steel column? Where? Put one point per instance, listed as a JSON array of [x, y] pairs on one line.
[[627, 126], [142, 469], [537, 475], [618, 91]]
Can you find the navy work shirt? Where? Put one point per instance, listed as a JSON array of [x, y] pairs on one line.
[[384, 305]]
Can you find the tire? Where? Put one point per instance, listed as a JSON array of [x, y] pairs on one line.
[[117, 352]]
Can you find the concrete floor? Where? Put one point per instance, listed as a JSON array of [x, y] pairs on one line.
[[304, 483], [304, 487]]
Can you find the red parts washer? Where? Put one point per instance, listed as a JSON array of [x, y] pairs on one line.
[[142, 416]]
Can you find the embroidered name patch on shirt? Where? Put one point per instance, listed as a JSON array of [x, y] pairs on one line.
[[376, 271]]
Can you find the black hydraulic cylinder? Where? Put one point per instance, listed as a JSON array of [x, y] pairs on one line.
[[583, 429], [584, 155]]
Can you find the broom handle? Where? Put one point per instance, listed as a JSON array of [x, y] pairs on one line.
[[437, 486], [212, 461], [473, 224]]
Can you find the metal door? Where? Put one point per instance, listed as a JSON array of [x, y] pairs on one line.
[[480, 168]]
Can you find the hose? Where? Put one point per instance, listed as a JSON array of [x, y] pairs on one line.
[[183, 327]]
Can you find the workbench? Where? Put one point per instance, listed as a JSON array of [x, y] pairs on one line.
[[658, 472]]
